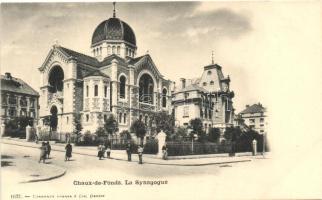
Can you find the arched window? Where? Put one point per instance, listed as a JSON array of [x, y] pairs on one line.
[[146, 89], [124, 118], [94, 52], [164, 98], [86, 90], [101, 50], [209, 72], [109, 50], [146, 120], [118, 50], [211, 83], [113, 50], [56, 77], [120, 117], [204, 84], [96, 90], [122, 87]]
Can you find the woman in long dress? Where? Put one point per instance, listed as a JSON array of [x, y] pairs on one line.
[[43, 150], [69, 150]]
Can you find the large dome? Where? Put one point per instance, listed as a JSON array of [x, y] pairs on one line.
[[113, 29]]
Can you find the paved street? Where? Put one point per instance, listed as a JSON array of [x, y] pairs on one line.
[[190, 181], [259, 178]]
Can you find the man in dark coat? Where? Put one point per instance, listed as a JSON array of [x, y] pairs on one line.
[[69, 150], [128, 151]]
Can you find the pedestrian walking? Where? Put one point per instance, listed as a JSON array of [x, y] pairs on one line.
[[164, 152], [100, 153], [129, 151], [43, 150], [140, 153], [48, 149], [69, 149], [108, 151]]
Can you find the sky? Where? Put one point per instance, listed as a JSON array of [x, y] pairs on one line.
[[251, 41]]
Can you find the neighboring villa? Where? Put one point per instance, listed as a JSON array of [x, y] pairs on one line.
[[17, 99], [208, 98], [255, 117]]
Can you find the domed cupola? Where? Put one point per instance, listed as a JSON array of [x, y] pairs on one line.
[[113, 36], [113, 29]]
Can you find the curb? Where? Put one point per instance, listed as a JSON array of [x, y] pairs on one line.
[[202, 164], [45, 179], [153, 163]]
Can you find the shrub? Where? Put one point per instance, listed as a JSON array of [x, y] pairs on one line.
[[151, 147]]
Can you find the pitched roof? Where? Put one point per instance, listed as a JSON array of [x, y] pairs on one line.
[[80, 57], [108, 60], [255, 108], [192, 87], [16, 85], [135, 60]]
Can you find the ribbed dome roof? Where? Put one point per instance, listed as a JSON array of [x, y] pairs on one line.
[[113, 29]]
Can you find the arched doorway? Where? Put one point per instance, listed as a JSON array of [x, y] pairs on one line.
[[53, 118], [55, 79], [146, 89]]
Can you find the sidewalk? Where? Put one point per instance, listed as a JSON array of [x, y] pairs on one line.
[[32, 170], [192, 160]]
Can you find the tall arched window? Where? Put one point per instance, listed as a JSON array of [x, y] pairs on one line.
[[101, 50], [118, 50], [120, 117], [86, 90], [124, 116], [113, 50], [164, 98], [146, 89], [96, 90], [122, 87]]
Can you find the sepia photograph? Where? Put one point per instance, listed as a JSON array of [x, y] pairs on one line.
[[161, 100]]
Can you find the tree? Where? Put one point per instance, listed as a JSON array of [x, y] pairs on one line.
[[100, 132], [125, 135], [196, 125], [179, 134], [214, 134], [232, 133], [139, 128], [111, 125], [77, 126], [165, 122]]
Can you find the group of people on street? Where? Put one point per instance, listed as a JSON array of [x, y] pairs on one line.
[[102, 148], [45, 150]]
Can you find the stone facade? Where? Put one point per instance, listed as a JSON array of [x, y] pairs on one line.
[[18, 99], [110, 82], [208, 98]]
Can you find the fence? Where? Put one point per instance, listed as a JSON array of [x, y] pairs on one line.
[[196, 148]]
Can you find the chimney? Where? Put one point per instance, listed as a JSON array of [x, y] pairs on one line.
[[8, 76], [183, 83]]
